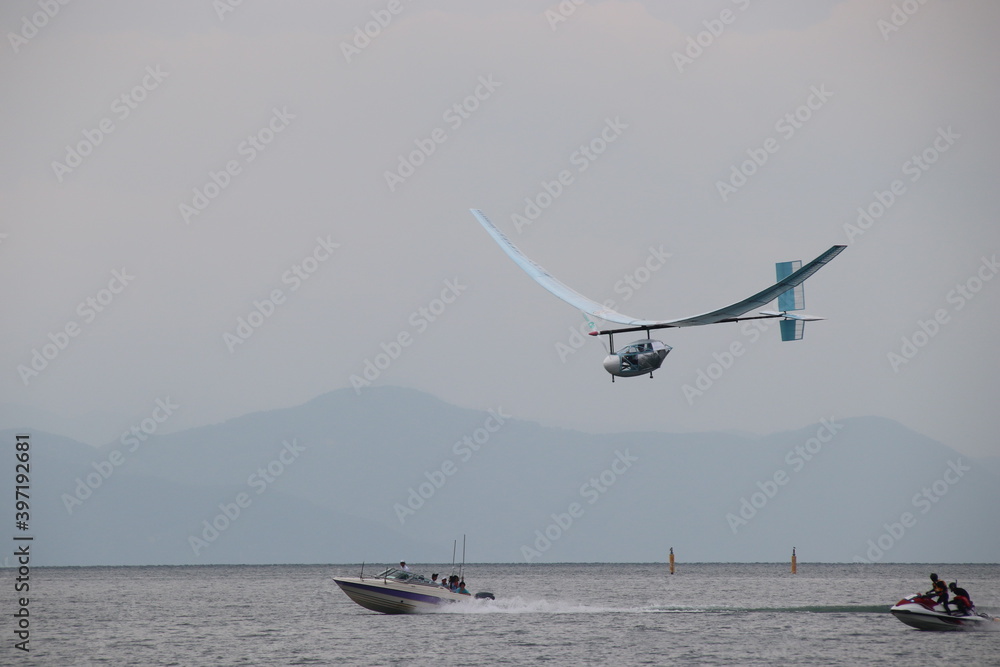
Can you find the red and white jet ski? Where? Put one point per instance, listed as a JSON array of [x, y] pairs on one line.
[[923, 612]]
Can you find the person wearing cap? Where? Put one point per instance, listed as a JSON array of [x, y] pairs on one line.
[[403, 567]]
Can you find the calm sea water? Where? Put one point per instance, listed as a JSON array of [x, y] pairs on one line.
[[569, 614]]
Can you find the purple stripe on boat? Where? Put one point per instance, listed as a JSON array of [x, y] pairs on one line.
[[392, 592]]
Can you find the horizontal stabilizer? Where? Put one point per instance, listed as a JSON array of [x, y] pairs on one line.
[[792, 316], [792, 326]]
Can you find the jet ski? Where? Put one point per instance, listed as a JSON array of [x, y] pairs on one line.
[[924, 613]]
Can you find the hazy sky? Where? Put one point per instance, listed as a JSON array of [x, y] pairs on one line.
[[174, 169]]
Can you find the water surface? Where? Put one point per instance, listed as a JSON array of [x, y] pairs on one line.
[[563, 614]]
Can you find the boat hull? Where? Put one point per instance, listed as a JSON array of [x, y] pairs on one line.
[[922, 613], [926, 621], [396, 598]]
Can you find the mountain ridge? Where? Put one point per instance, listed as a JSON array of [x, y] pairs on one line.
[[395, 473]]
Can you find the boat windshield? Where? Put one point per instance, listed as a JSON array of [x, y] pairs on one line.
[[398, 575]]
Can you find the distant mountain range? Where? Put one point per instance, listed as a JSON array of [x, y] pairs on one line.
[[396, 474]]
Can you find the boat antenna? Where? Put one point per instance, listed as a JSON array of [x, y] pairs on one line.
[[362, 569], [461, 572], [454, 545]]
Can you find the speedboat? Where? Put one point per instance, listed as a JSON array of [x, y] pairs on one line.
[[923, 612], [395, 591]]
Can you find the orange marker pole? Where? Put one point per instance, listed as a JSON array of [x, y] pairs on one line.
[[793, 560], [671, 560]]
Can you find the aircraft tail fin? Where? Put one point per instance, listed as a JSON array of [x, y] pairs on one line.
[[792, 327], [794, 298]]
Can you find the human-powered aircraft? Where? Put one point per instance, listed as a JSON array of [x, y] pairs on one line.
[[646, 355]]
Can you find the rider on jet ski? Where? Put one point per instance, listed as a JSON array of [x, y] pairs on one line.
[[940, 590], [962, 601]]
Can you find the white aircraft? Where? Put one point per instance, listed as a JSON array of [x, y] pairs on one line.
[[647, 355]]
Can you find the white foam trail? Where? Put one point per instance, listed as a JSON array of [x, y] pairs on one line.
[[519, 605]]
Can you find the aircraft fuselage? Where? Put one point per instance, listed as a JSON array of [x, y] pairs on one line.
[[638, 358]]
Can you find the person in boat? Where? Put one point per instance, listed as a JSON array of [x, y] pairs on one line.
[[403, 567], [434, 580], [941, 591], [962, 601], [461, 588], [934, 582]]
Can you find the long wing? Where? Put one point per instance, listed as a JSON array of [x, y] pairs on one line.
[[729, 313], [546, 280]]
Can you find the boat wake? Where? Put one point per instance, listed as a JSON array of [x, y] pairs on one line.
[[814, 609], [519, 605]]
